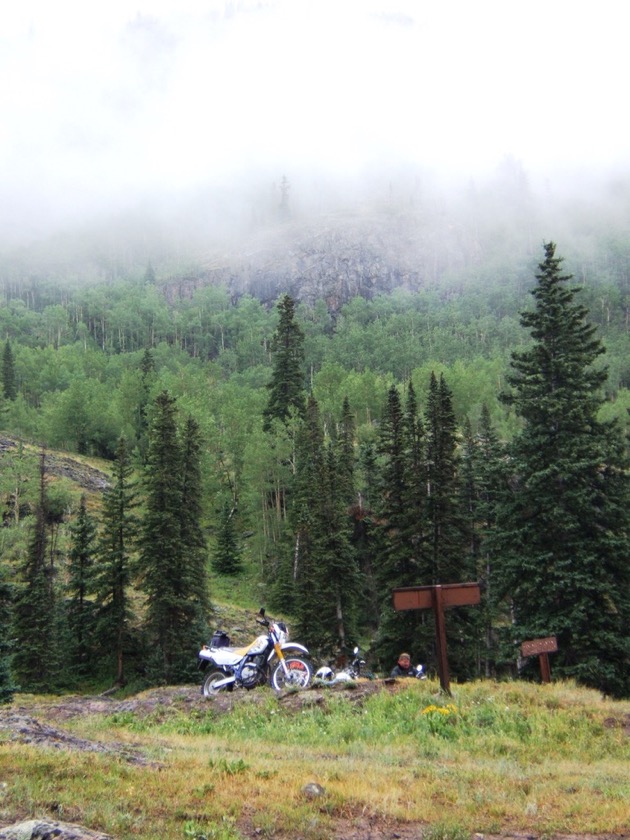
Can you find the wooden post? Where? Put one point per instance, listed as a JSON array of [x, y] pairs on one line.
[[437, 598], [542, 647]]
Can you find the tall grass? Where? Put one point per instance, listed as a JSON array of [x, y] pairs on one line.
[[494, 758]]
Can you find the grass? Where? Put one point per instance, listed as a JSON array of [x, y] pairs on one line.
[[494, 758]]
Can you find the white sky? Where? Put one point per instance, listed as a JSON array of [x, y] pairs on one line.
[[100, 99]]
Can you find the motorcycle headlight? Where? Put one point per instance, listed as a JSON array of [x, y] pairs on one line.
[[281, 631]]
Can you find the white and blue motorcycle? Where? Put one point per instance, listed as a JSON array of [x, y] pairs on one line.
[[271, 657]]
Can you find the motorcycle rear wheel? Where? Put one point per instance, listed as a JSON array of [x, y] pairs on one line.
[[208, 689], [300, 673]]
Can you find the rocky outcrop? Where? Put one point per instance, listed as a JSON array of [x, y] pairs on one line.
[[46, 830]]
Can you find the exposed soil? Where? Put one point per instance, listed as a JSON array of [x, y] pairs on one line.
[[42, 725]]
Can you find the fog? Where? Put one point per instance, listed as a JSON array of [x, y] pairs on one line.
[[147, 103]]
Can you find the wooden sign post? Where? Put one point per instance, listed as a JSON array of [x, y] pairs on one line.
[[542, 647], [437, 598]]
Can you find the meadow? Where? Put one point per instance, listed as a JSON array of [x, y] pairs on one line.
[[494, 758]]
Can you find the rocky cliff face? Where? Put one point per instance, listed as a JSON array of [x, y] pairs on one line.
[[335, 259]]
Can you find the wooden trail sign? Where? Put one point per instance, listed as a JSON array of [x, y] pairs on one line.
[[437, 598], [542, 648]]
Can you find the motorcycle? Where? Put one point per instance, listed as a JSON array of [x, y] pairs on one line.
[[350, 673], [269, 658]]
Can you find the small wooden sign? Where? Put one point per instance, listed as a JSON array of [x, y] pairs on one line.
[[537, 646], [541, 648]]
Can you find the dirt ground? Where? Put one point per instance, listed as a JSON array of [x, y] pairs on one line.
[[42, 725]]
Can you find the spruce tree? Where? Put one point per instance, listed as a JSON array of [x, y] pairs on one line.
[[114, 637], [36, 656], [303, 570], [399, 513], [447, 537], [9, 381], [159, 561], [483, 480], [193, 548], [226, 559], [80, 607], [565, 524], [7, 685], [286, 388], [172, 548]]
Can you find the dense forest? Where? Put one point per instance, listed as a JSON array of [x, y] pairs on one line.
[[311, 446]]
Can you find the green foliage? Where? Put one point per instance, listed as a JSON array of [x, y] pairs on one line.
[[80, 608], [172, 550], [7, 685], [564, 528], [226, 559], [9, 382], [111, 581], [286, 389], [37, 654]]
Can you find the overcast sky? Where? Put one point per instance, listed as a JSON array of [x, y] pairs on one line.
[[101, 100]]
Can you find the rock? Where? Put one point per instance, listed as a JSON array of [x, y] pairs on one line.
[[45, 830], [313, 791]]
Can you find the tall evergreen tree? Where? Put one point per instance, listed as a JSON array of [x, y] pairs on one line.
[[113, 572], [482, 482], [324, 566], [172, 550], [448, 537], [447, 526], [9, 380], [7, 685], [286, 388], [226, 559], [308, 601], [399, 512], [193, 547], [35, 626], [566, 523], [80, 608]]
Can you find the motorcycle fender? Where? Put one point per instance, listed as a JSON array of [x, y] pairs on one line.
[[206, 654], [294, 647]]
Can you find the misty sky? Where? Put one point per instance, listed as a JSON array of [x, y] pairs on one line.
[[102, 102]]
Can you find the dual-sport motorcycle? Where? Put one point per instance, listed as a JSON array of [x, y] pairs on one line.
[[271, 657], [353, 671]]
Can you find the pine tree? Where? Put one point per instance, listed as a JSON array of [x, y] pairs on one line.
[[172, 548], [226, 559], [36, 656], [193, 550], [159, 561], [325, 570], [482, 481], [565, 525], [112, 578], [9, 381], [7, 685], [399, 512], [286, 389], [447, 537], [80, 608]]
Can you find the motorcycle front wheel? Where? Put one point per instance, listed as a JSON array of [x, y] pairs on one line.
[[208, 689], [299, 674]]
